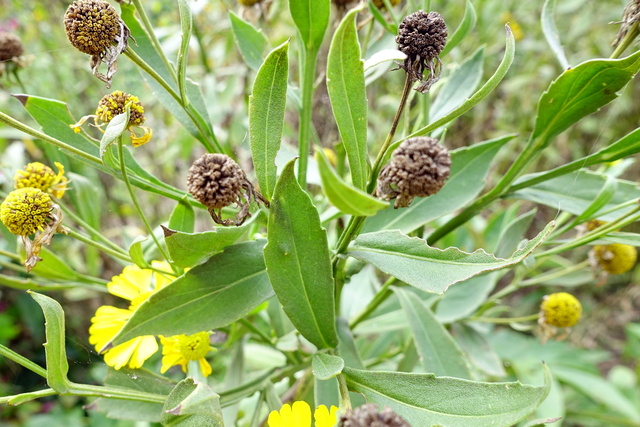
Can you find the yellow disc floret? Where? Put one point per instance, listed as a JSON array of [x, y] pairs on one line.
[[42, 177], [181, 349], [616, 258], [113, 104], [25, 211], [561, 309]]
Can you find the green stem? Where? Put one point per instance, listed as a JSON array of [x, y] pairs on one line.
[[92, 231], [608, 419], [114, 392], [19, 399], [554, 274], [628, 39], [266, 338], [304, 147], [22, 361], [345, 400], [134, 199], [10, 255], [505, 320], [203, 52], [378, 299], [89, 241]]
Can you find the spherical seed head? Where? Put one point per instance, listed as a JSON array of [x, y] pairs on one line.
[[216, 180], [10, 46], [369, 416], [380, 3], [561, 309], [418, 168], [35, 175], [616, 258], [92, 26], [25, 211], [422, 35], [113, 104]]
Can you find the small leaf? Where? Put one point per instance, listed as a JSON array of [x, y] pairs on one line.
[[465, 27], [55, 351], [192, 404], [551, 32], [345, 84], [298, 261], [186, 25], [212, 295], [311, 18], [266, 116], [183, 217], [581, 91], [326, 366], [433, 270], [136, 252], [116, 127], [427, 400], [438, 351], [251, 42], [348, 199]]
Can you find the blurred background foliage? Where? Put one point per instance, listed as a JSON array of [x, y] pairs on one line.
[[606, 344]]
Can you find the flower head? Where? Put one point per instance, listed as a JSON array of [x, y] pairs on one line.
[[11, 51], [368, 416], [135, 285], [422, 36], [181, 349], [630, 15], [418, 168], [114, 104], [94, 27], [561, 310], [616, 258], [299, 415], [42, 177], [217, 181]]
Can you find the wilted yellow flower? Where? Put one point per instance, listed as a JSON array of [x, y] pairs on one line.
[[42, 177], [136, 285], [299, 415], [180, 349], [616, 258]]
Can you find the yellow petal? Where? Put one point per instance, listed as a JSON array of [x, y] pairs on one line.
[[275, 420], [324, 418], [121, 354], [133, 282], [301, 414], [205, 367]]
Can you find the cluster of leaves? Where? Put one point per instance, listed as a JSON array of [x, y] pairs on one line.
[[359, 295]]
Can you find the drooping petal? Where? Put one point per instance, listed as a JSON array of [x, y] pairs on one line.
[[205, 367], [127, 353]]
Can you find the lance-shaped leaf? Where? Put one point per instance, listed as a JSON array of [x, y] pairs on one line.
[[251, 42], [439, 353], [343, 196], [311, 18], [345, 84], [212, 295], [298, 261], [427, 400], [54, 348], [192, 403], [465, 27], [266, 116], [115, 128], [183, 217], [551, 32], [581, 91], [430, 269]]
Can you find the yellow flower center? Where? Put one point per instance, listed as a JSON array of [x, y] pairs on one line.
[[194, 347], [25, 211], [616, 258], [561, 309], [42, 177], [113, 104]]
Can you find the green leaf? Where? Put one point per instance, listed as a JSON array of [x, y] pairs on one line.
[[136, 252], [345, 84], [298, 261], [53, 267], [575, 193], [347, 347], [465, 27], [212, 295], [459, 86], [326, 366], [116, 127], [189, 249], [433, 270], [469, 169], [54, 348], [311, 18], [581, 91], [192, 404], [266, 116], [186, 25], [251, 42], [427, 400], [462, 300], [438, 351], [551, 32], [183, 217], [478, 350], [513, 233], [348, 199], [378, 16]]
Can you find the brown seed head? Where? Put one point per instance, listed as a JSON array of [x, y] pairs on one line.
[[369, 416], [216, 181], [422, 35], [92, 25], [418, 168], [10, 46]]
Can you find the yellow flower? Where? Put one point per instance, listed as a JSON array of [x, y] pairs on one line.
[[136, 285], [180, 349], [42, 177], [299, 415], [561, 310], [616, 258]]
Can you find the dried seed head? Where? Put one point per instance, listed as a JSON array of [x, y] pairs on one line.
[[10, 46], [616, 258], [561, 310], [25, 211], [418, 168], [380, 3], [94, 27], [42, 177], [113, 104], [216, 181], [369, 416], [422, 36], [630, 15]]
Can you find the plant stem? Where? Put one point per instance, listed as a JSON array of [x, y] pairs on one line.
[[553, 274], [345, 400], [92, 231], [505, 320], [628, 39], [89, 241], [11, 255], [134, 199], [22, 361], [304, 147], [378, 299], [19, 399], [266, 338], [114, 392]]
